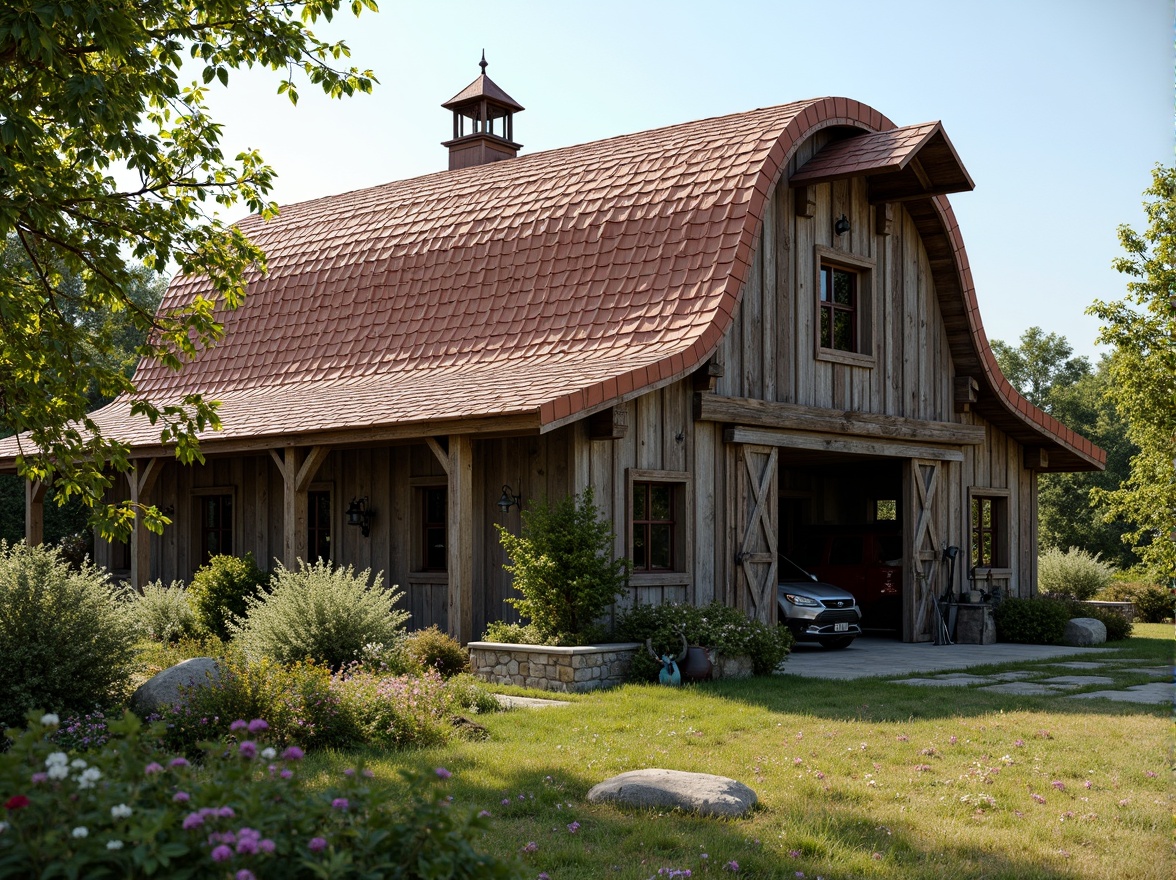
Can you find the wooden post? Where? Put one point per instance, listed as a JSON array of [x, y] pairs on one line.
[[34, 512], [461, 538], [298, 467], [142, 479]]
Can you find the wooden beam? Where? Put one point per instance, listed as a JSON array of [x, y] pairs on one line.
[[966, 392], [609, 424], [924, 179], [707, 376], [141, 479], [35, 512], [1036, 458], [294, 509], [839, 443], [805, 200], [441, 454], [747, 411], [310, 467], [460, 535], [884, 218]]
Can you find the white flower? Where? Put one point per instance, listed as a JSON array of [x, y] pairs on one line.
[[81, 831], [269, 753], [122, 811], [3, 827], [49, 719], [89, 777], [57, 771], [114, 844], [78, 763], [57, 759]]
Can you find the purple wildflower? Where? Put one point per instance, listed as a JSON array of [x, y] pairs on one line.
[[180, 797], [192, 820], [222, 854], [340, 803], [225, 812], [286, 774], [293, 753], [368, 773], [484, 814], [317, 844], [1059, 785], [265, 845], [239, 724], [573, 827], [248, 749], [245, 874], [178, 762], [350, 771], [731, 866], [152, 768], [257, 725], [530, 846], [442, 773], [39, 777]]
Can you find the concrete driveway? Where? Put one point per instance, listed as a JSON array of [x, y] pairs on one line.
[[886, 657]]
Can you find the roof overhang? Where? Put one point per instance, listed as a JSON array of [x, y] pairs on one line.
[[899, 165]]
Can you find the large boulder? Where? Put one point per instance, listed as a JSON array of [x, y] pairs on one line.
[[163, 689], [702, 793], [1083, 632]]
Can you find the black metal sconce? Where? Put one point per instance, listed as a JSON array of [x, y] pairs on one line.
[[509, 500], [842, 225], [358, 514]]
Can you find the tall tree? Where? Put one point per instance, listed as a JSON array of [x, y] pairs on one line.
[[1142, 329], [1042, 368], [90, 89]]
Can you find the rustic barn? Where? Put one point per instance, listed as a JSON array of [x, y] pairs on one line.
[[740, 331]]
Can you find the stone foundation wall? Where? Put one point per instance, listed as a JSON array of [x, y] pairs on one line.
[[734, 666], [565, 670], [1125, 609]]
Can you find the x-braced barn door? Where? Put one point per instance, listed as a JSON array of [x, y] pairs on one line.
[[922, 530], [755, 531]]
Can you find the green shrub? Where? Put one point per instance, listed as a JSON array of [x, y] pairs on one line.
[[1118, 626], [247, 812], [432, 649], [563, 567], [66, 641], [320, 612], [726, 630], [220, 591], [512, 633], [1074, 574], [297, 700], [163, 614], [1153, 603], [1032, 621]]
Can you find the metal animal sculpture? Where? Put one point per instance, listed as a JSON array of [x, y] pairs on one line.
[[669, 674]]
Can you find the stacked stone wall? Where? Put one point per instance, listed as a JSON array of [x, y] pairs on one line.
[[564, 670]]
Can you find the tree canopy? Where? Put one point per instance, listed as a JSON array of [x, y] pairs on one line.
[[109, 164], [1040, 366], [1142, 329]]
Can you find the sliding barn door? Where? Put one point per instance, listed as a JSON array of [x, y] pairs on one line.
[[924, 549], [755, 530]]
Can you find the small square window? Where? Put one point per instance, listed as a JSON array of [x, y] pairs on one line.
[[844, 307], [839, 308], [988, 531], [658, 504]]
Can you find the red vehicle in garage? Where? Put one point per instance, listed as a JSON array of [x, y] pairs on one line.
[[866, 561]]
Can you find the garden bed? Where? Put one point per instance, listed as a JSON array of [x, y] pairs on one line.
[[565, 670]]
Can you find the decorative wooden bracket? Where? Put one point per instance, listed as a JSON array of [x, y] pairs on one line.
[[609, 424], [707, 376], [1036, 458], [883, 218], [806, 200], [966, 393]]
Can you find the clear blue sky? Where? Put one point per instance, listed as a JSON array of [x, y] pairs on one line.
[[1058, 108]]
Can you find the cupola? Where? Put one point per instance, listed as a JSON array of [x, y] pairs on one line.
[[488, 112]]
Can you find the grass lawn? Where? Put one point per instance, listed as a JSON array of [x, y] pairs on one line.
[[856, 779]]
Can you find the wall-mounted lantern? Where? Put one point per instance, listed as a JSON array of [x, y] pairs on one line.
[[358, 514], [842, 225], [509, 500]]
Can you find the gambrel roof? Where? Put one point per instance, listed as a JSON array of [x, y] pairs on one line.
[[530, 292]]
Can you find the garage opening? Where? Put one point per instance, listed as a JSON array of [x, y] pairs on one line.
[[840, 517]]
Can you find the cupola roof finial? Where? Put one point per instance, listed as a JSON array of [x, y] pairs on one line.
[[483, 64]]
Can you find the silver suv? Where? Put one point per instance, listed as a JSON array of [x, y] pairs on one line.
[[814, 610]]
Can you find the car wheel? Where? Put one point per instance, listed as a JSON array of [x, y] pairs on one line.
[[837, 644]]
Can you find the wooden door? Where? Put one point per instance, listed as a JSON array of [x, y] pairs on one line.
[[755, 530], [924, 548]]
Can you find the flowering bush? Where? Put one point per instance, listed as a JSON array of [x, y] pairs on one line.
[[66, 641], [1073, 574], [328, 614], [432, 649], [129, 811], [80, 733], [163, 614], [727, 630]]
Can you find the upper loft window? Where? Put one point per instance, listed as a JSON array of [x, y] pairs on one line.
[[839, 307], [845, 308]]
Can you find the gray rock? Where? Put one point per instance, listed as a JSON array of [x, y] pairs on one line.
[[163, 689], [1083, 632], [703, 793]]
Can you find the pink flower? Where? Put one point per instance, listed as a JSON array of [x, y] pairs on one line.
[[820, 775], [954, 739], [245, 874], [1038, 798], [178, 762], [794, 854], [877, 857], [222, 854], [1059, 785], [902, 737], [225, 812], [286, 774], [180, 797], [484, 814], [530, 846], [442, 773], [1087, 784], [239, 724], [265, 845], [350, 771], [257, 725], [1018, 742], [38, 778], [317, 844], [152, 768], [293, 753], [366, 773], [192, 820], [1150, 774], [340, 803], [248, 749], [16, 802]]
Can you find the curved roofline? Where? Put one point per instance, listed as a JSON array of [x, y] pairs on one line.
[[818, 115]]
